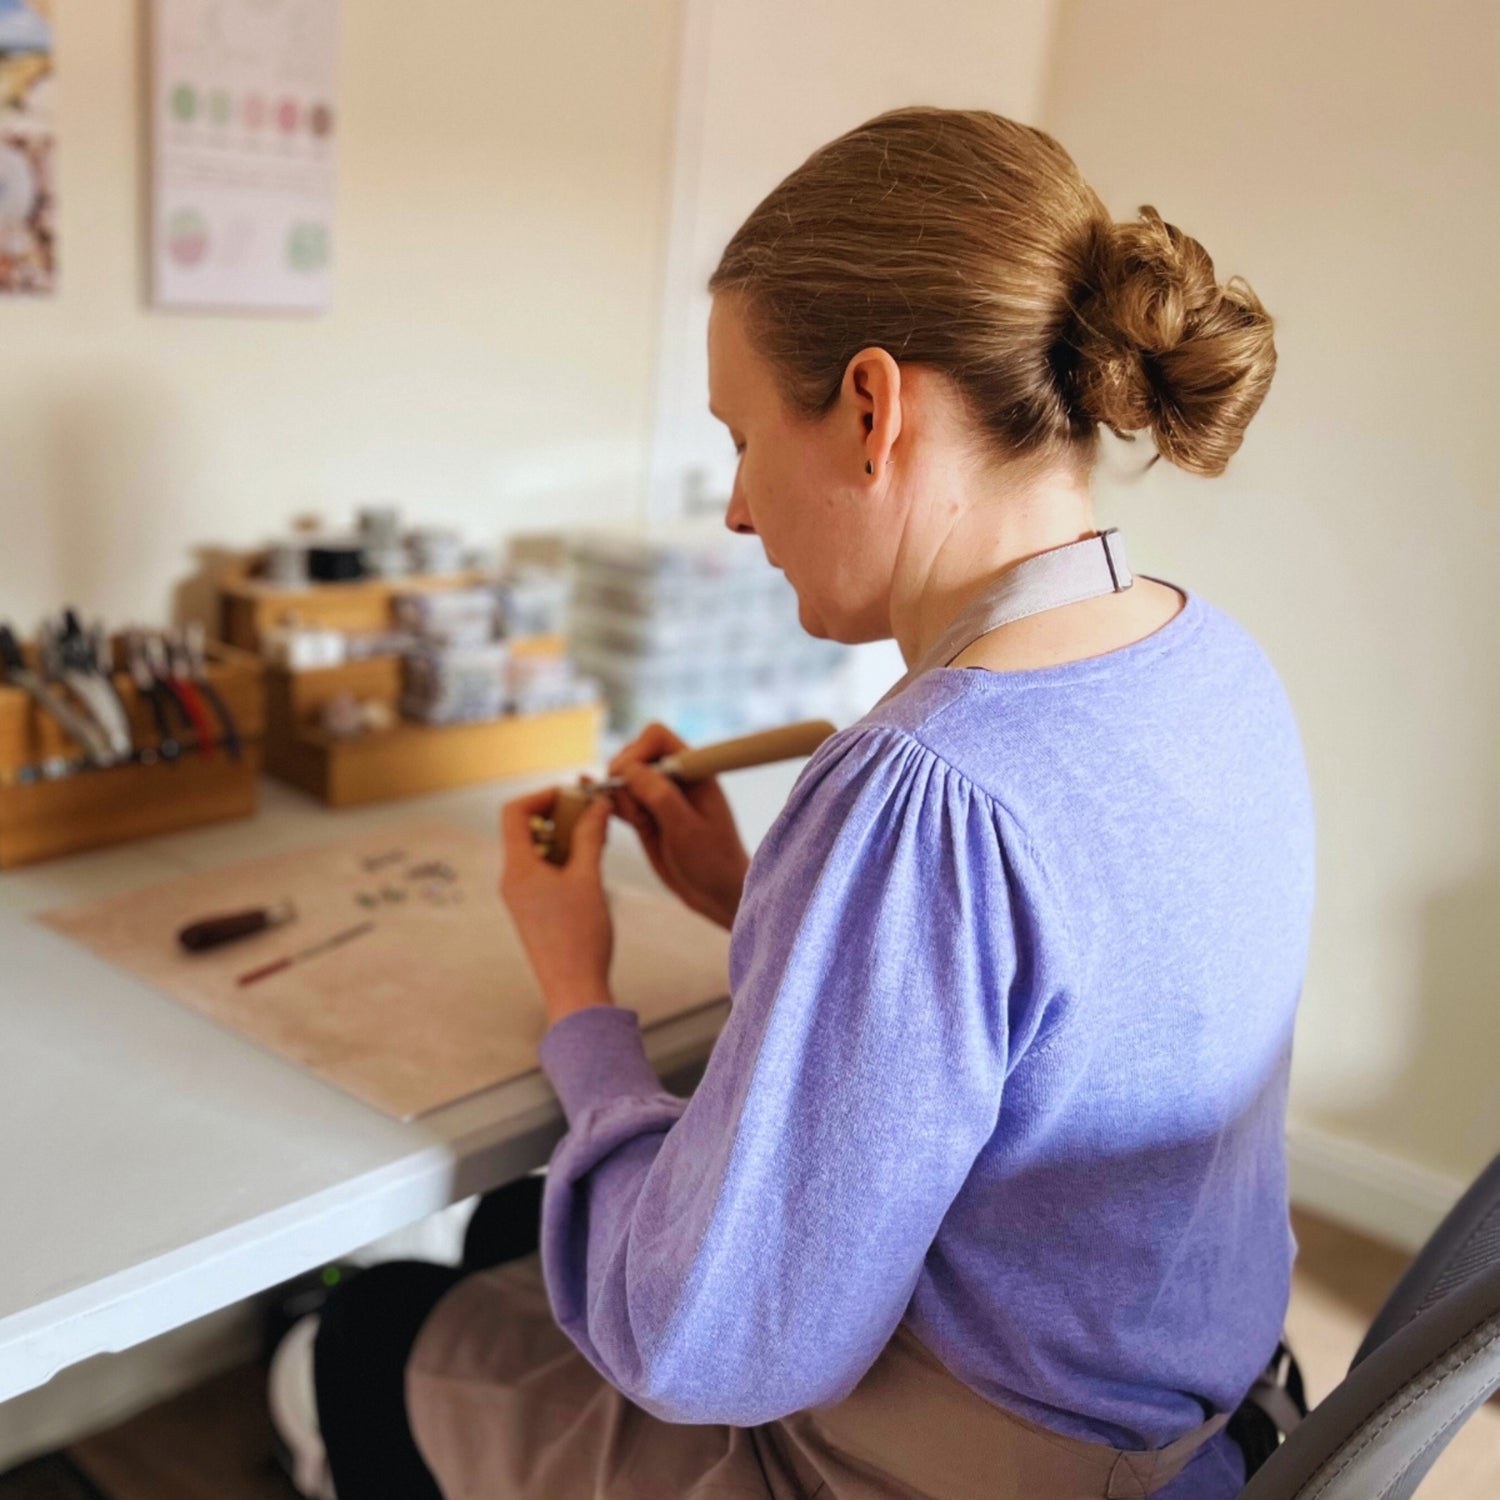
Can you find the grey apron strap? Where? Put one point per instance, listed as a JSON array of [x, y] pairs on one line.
[[1061, 575], [1138, 1475]]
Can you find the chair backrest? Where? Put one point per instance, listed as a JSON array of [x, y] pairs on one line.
[[1466, 1243], [1430, 1360]]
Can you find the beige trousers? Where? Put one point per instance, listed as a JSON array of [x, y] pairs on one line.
[[504, 1407]]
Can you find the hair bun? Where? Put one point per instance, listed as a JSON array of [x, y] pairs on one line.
[[1162, 345]]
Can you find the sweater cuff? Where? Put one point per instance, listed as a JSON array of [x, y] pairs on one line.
[[594, 1055]]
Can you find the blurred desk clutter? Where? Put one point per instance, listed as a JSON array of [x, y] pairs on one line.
[[109, 738]]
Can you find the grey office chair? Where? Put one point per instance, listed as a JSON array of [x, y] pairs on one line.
[[1429, 1361]]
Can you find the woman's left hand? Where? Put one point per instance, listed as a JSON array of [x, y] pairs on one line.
[[560, 910]]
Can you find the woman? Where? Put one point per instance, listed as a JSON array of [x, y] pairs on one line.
[[983, 1189]]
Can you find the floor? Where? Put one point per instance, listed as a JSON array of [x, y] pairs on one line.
[[214, 1442]]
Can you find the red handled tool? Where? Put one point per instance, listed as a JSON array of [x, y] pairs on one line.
[[296, 958]]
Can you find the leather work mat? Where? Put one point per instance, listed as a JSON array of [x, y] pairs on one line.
[[434, 1003]]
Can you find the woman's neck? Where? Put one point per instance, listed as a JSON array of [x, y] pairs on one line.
[[953, 547]]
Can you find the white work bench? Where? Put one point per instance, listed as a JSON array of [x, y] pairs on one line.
[[157, 1167]]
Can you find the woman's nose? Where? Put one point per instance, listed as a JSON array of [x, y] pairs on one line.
[[737, 516]]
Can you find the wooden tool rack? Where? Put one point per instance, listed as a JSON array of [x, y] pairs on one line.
[[43, 818]]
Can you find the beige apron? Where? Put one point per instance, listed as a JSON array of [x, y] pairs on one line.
[[504, 1407]]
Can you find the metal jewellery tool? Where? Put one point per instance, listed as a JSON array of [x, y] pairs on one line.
[[229, 927], [151, 691], [189, 704], [554, 835], [95, 651], [181, 671], [154, 654], [90, 736], [254, 975], [195, 658], [88, 651], [66, 655]]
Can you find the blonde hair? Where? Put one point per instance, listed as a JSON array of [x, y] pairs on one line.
[[965, 241]]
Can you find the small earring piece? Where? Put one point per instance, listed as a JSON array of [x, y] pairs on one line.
[[869, 466]]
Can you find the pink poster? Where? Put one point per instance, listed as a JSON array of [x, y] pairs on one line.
[[244, 134]]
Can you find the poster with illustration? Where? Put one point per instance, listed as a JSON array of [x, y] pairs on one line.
[[244, 128], [28, 199]]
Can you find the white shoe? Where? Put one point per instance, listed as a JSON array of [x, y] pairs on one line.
[[294, 1410]]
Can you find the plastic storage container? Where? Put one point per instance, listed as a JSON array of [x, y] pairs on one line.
[[691, 625]]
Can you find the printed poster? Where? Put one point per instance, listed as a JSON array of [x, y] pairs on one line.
[[28, 196], [244, 131]]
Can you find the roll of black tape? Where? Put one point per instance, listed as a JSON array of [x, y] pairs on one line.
[[335, 563]]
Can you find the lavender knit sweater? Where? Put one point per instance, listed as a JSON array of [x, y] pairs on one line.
[[1013, 987]]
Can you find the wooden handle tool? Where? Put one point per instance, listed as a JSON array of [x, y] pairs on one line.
[[554, 835], [229, 927]]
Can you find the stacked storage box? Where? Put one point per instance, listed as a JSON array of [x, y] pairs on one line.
[[690, 624], [480, 652]]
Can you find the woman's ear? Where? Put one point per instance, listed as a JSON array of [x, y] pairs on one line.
[[872, 390]]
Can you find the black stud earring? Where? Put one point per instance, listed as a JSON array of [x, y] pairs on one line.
[[869, 466]]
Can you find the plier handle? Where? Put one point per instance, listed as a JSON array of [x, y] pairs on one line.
[[193, 655]]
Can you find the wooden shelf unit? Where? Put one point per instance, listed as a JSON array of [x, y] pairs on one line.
[[411, 758], [415, 758], [250, 606]]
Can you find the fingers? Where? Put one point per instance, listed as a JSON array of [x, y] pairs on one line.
[[707, 796], [628, 809], [515, 823], [649, 833], [589, 833], [585, 844], [654, 741], [661, 797]]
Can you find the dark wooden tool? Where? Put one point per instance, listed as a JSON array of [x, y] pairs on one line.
[[229, 927]]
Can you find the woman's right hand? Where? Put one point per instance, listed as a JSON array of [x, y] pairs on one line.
[[687, 830]]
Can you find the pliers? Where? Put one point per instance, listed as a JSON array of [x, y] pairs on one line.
[[95, 743]]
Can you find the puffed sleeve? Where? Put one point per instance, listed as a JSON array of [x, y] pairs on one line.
[[748, 1252]]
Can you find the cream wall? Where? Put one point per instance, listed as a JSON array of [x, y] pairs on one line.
[[764, 85], [1345, 158], [488, 360]]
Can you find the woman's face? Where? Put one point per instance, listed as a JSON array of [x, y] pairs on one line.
[[801, 487]]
